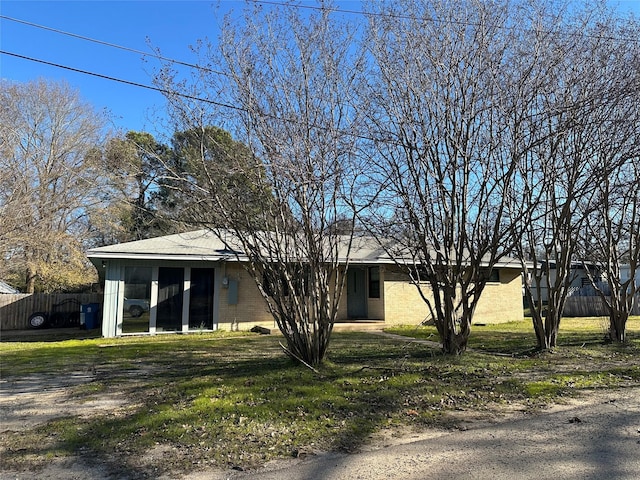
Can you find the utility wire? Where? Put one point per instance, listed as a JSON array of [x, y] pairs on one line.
[[351, 12], [171, 92], [120, 80], [113, 45], [267, 2], [424, 19], [184, 95]]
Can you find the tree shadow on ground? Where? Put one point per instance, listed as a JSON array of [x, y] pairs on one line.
[[240, 402], [228, 406]]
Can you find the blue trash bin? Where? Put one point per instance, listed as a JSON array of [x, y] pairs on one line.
[[89, 315]]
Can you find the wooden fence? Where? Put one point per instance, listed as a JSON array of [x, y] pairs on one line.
[[15, 309], [591, 307]]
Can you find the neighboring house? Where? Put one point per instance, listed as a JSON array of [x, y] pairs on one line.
[[625, 274], [587, 301], [6, 288], [579, 279], [192, 282]]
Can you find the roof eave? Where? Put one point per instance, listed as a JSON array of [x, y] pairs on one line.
[[157, 256]]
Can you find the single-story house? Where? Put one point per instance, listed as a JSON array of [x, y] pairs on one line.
[[579, 279], [193, 282], [625, 274]]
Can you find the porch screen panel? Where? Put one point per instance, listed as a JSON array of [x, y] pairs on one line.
[[137, 298], [170, 290], [201, 299]]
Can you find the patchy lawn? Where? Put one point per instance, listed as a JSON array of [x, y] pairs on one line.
[[151, 405]]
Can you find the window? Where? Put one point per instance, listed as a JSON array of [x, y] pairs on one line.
[[201, 298], [374, 282], [170, 298], [493, 276], [137, 299], [300, 277]]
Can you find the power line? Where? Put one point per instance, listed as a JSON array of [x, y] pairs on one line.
[[268, 2], [167, 92], [424, 19], [113, 45], [120, 80], [351, 12]]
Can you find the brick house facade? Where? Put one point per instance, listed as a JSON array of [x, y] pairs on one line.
[[189, 282]]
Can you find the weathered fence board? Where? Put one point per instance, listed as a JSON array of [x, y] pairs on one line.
[[16, 308], [591, 307]]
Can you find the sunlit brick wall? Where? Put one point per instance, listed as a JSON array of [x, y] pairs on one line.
[[251, 308], [500, 302]]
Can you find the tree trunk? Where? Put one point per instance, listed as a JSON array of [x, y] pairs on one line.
[[456, 344], [617, 327], [30, 284], [541, 337], [454, 341], [546, 330]]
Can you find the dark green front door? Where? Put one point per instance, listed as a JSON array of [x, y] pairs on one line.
[[356, 293]]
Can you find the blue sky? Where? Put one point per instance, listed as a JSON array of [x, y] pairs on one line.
[[172, 26]]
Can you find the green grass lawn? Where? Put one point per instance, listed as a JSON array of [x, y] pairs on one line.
[[519, 337], [231, 399]]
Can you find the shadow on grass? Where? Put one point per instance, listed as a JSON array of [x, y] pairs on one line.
[[240, 405], [210, 401], [49, 335]]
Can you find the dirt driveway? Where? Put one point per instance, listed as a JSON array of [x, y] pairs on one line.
[[596, 436]]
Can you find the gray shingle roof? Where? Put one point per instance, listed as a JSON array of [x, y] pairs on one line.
[[205, 245]]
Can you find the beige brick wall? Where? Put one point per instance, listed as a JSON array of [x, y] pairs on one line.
[[400, 302], [500, 302], [403, 303], [251, 308]]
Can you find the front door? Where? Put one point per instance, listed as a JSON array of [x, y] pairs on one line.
[[356, 293]]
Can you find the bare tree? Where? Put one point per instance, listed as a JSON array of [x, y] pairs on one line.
[[612, 239], [450, 92], [50, 183], [556, 189], [612, 232], [288, 82]]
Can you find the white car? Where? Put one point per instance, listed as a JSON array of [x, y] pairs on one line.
[[136, 306]]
